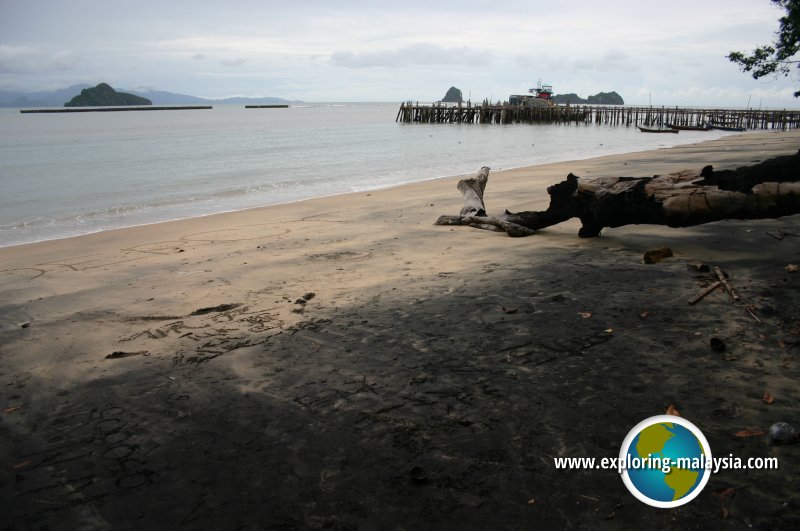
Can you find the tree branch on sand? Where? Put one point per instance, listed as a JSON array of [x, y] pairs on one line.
[[767, 190]]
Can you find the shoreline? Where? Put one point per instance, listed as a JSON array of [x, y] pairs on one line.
[[369, 190], [343, 363]]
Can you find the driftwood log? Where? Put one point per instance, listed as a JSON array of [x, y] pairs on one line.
[[767, 190]]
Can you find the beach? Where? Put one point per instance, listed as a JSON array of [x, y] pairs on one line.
[[342, 363]]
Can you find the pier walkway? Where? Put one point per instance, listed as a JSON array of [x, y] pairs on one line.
[[615, 115]]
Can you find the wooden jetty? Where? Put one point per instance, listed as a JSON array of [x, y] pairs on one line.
[[279, 106], [614, 115], [120, 108]]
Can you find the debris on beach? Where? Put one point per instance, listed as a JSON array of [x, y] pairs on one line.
[[214, 309], [706, 291], [749, 432], [700, 268], [782, 432], [792, 268], [122, 354], [723, 277], [751, 310], [22, 464], [717, 345], [654, 256], [681, 199]]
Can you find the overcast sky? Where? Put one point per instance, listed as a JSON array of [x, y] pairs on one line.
[[670, 53]]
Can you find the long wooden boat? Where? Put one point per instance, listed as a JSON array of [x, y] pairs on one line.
[[726, 127], [688, 127], [653, 130]]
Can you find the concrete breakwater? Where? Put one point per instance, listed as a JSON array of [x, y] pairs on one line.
[[121, 108]]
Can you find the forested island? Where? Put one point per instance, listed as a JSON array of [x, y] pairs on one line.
[[601, 98], [453, 95], [104, 96]]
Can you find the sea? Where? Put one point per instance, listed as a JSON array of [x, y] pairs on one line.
[[68, 174]]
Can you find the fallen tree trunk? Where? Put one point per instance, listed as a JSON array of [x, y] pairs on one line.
[[683, 199], [472, 190]]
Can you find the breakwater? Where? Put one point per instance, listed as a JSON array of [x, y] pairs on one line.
[[121, 108], [614, 115]]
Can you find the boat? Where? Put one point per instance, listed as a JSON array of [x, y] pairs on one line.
[[541, 96], [655, 130], [542, 92], [726, 128], [688, 127]]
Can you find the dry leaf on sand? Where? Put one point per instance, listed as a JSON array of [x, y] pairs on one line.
[[749, 432]]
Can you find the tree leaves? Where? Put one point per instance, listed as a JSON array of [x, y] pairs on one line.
[[775, 59]]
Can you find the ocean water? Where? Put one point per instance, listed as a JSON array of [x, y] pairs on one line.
[[68, 174]]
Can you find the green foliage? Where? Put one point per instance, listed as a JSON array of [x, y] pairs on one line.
[[777, 58], [104, 96]]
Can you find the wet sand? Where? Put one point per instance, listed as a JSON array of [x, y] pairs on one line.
[[342, 363]]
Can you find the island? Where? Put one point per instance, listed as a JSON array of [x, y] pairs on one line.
[[104, 96], [601, 98], [453, 96]]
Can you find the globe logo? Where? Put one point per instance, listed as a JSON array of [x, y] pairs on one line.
[[665, 461]]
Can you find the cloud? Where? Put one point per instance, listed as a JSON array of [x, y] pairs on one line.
[[578, 46], [419, 54], [238, 61], [23, 59], [611, 60], [614, 56]]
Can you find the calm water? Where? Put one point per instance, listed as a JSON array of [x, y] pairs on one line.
[[68, 174]]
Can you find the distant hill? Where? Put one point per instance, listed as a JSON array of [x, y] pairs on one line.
[[160, 97], [104, 96], [601, 98], [56, 98], [453, 96]]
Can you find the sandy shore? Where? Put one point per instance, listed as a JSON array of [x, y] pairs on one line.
[[342, 363]]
